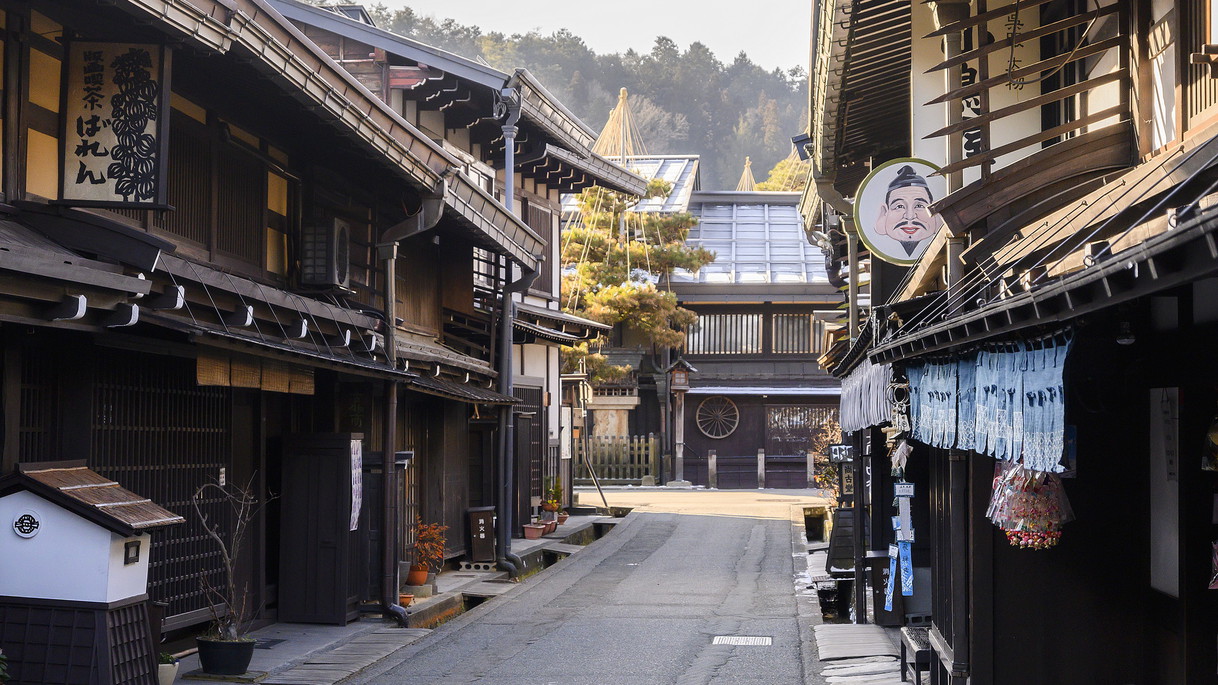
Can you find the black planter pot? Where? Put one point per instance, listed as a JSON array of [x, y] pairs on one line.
[[224, 657]]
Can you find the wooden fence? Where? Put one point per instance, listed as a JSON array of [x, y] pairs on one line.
[[618, 459]]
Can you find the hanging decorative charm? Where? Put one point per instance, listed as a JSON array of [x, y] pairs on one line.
[[898, 398], [1030, 506]]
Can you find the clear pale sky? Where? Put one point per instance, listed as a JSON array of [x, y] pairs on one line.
[[774, 33]]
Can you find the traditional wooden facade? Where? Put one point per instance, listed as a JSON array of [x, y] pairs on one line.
[[463, 105], [230, 291], [762, 306], [1077, 145]]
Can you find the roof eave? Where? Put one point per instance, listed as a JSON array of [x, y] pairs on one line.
[[280, 48]]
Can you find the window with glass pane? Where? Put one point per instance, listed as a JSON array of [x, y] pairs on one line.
[[725, 334]]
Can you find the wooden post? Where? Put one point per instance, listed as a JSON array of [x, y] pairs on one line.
[[653, 457], [811, 468], [712, 469], [760, 469], [679, 434]]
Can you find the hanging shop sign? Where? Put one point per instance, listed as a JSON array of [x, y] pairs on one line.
[[841, 452], [892, 209], [114, 139]]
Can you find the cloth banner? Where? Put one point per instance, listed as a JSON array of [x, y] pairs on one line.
[[865, 397], [891, 585], [907, 576], [1007, 402]]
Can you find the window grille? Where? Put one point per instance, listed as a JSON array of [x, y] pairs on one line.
[[161, 435], [793, 334], [725, 334]]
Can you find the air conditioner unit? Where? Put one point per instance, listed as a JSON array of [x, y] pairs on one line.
[[325, 254]]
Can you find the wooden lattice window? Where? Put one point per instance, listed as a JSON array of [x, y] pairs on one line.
[[161, 435]]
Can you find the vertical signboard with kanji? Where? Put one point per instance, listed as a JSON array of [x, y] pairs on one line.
[[357, 481], [114, 138]]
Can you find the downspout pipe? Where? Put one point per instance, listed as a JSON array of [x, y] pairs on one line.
[[506, 560], [387, 249], [508, 105]]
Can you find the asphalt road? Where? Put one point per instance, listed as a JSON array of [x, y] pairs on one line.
[[641, 606]]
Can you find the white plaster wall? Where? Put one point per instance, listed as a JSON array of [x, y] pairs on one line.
[[127, 580], [68, 559], [565, 446], [927, 52], [554, 387], [534, 361], [610, 422], [925, 87], [1163, 79]]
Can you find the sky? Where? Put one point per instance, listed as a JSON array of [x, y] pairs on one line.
[[774, 33]]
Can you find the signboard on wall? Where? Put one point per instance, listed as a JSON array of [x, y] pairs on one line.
[[114, 138], [892, 209], [357, 481]]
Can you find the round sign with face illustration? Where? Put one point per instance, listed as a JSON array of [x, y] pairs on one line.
[[892, 209]]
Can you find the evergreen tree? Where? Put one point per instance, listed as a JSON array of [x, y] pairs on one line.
[[615, 265]]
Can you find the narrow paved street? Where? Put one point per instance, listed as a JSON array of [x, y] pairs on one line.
[[642, 606]]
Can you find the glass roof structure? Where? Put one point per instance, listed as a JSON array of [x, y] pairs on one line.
[[679, 170], [757, 237]]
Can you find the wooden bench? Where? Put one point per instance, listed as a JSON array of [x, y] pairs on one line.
[[915, 652]]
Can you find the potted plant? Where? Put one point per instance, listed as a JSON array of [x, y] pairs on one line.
[[428, 551], [552, 501], [166, 669], [224, 649], [562, 517]]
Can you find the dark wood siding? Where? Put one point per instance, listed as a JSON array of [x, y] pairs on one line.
[[540, 219], [458, 276], [325, 573], [39, 404], [418, 276]]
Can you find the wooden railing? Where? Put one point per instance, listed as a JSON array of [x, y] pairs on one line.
[[617, 459]]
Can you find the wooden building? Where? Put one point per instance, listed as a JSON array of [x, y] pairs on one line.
[[454, 101], [762, 306], [1076, 147], [218, 241]]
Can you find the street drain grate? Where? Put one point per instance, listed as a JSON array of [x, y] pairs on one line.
[[747, 640]]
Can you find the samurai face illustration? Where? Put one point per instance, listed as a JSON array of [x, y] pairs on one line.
[[905, 215]]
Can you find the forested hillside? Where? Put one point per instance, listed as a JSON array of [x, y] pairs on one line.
[[685, 100]]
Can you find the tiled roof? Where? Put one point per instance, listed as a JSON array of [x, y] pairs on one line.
[[463, 392]]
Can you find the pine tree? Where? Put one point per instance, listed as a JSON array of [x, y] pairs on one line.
[[616, 265]]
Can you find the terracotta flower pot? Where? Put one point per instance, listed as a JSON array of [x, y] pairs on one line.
[[533, 531], [404, 599], [551, 526], [417, 575], [562, 517]]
